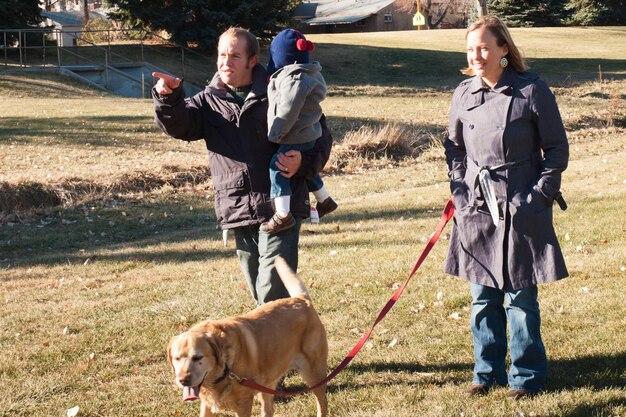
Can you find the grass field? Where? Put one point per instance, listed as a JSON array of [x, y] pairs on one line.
[[92, 290]]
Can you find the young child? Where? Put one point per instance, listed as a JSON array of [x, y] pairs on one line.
[[296, 89]]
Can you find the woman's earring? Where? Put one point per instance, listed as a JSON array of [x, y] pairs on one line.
[[504, 62]]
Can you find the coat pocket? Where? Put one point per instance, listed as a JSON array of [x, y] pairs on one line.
[[232, 197], [531, 215]]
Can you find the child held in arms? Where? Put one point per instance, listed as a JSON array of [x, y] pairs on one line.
[[296, 89]]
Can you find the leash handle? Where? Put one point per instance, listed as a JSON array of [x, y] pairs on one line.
[[446, 215]]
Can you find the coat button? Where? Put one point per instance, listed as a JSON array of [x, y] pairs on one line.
[[471, 126]]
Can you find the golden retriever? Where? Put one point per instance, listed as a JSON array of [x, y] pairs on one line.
[[261, 346]]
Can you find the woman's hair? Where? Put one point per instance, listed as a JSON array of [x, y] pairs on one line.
[[503, 37], [252, 44]]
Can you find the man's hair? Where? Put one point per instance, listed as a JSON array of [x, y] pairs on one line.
[[252, 44], [503, 37]]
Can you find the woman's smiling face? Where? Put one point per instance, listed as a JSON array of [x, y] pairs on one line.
[[484, 54]]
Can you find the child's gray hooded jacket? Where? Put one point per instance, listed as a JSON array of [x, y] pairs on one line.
[[294, 94]]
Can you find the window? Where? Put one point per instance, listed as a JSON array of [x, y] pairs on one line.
[[388, 18]]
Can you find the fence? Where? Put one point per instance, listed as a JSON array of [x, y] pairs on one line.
[[48, 47]]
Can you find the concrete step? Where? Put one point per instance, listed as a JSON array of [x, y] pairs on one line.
[[124, 79]]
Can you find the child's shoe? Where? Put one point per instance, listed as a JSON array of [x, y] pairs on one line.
[[326, 206], [278, 224]]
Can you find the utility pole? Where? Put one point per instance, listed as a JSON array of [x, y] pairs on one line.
[[481, 5], [86, 10]]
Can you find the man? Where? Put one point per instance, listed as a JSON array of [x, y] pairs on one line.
[[231, 116]]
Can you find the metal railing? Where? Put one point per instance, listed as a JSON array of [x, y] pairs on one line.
[[24, 48]]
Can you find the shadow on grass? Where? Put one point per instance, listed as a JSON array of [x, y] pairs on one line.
[[98, 131], [128, 232], [592, 372], [352, 65], [139, 232], [432, 374], [596, 408], [597, 372]]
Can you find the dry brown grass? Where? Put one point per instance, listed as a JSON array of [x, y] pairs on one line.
[[372, 147], [27, 200]]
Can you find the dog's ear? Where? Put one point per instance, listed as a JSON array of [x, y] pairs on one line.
[[216, 346], [227, 347], [223, 351], [169, 352]]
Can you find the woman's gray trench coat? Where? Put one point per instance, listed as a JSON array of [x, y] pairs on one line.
[[517, 123]]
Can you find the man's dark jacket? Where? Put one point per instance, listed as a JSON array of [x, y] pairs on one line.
[[239, 151]]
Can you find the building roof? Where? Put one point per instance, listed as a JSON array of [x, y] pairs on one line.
[[323, 12]]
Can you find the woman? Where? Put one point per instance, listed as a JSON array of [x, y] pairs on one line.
[[506, 151]]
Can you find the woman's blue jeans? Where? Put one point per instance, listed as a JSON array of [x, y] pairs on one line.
[[491, 310]]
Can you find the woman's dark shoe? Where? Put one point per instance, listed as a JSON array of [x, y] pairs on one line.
[[477, 389], [520, 393]]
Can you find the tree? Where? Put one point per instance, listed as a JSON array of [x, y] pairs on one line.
[[200, 22], [594, 12], [18, 14], [529, 12]]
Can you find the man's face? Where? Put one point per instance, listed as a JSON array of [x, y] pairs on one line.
[[233, 63]]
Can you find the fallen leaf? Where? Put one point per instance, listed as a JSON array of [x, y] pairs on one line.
[[393, 343], [455, 316], [73, 412]]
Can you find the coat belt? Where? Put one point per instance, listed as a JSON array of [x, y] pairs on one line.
[[484, 181]]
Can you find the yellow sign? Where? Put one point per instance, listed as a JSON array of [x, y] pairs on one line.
[[419, 19]]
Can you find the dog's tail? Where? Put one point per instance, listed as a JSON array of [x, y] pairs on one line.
[[294, 285]]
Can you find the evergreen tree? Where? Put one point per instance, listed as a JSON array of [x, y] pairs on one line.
[[200, 22], [529, 12], [18, 14], [595, 12]]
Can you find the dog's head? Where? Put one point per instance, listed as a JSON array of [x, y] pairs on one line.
[[195, 357]]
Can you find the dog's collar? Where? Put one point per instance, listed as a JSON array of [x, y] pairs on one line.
[[223, 377]]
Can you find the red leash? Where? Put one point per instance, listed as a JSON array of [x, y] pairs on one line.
[[447, 214]]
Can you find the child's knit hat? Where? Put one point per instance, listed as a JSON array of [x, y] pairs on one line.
[[288, 47]]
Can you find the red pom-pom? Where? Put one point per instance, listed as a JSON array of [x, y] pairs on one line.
[[301, 44], [310, 46]]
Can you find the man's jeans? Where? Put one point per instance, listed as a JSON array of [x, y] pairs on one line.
[[491, 309], [257, 250]]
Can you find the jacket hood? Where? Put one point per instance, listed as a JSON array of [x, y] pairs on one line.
[[312, 68]]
